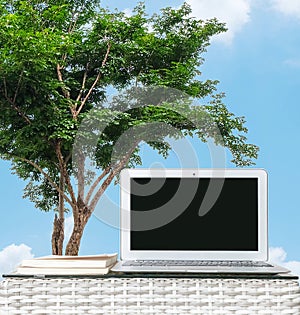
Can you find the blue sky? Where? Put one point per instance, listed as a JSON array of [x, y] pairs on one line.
[[258, 65]]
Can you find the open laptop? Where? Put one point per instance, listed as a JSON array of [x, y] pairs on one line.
[[194, 220]]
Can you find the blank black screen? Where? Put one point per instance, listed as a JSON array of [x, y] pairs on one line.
[[230, 224]]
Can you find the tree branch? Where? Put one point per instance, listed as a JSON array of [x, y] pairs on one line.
[[60, 78], [18, 86], [13, 102], [61, 206], [106, 55], [95, 184], [75, 16], [95, 82], [52, 183], [111, 176], [65, 91], [63, 170], [83, 83], [81, 161]]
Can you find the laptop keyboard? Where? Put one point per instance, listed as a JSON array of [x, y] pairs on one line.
[[200, 263]]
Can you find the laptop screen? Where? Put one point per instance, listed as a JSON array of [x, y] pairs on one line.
[[194, 214]]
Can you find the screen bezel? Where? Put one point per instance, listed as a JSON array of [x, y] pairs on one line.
[[128, 254]]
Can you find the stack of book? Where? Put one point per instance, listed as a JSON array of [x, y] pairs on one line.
[[67, 265]]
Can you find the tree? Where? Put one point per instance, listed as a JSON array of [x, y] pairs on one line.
[[59, 59]]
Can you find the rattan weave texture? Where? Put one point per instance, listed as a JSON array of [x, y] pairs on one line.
[[152, 296]]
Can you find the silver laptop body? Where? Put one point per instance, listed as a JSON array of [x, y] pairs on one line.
[[194, 220]]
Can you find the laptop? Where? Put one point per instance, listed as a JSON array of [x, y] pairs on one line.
[[194, 221]]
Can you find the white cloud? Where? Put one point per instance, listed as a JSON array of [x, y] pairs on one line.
[[287, 7], [235, 13], [12, 255], [278, 256]]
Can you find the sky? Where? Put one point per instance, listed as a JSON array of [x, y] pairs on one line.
[[257, 62]]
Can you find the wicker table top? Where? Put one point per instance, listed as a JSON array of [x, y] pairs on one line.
[[151, 294], [165, 275]]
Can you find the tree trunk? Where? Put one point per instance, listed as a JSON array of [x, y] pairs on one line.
[[73, 245], [58, 234], [82, 210]]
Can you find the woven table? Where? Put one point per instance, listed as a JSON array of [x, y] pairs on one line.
[[150, 294]]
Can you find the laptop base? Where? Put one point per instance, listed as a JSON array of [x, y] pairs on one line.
[[122, 266]]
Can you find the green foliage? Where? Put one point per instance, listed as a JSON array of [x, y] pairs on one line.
[[42, 195], [58, 59]]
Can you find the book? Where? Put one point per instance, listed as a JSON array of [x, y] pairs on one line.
[[67, 265], [62, 271], [93, 261]]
